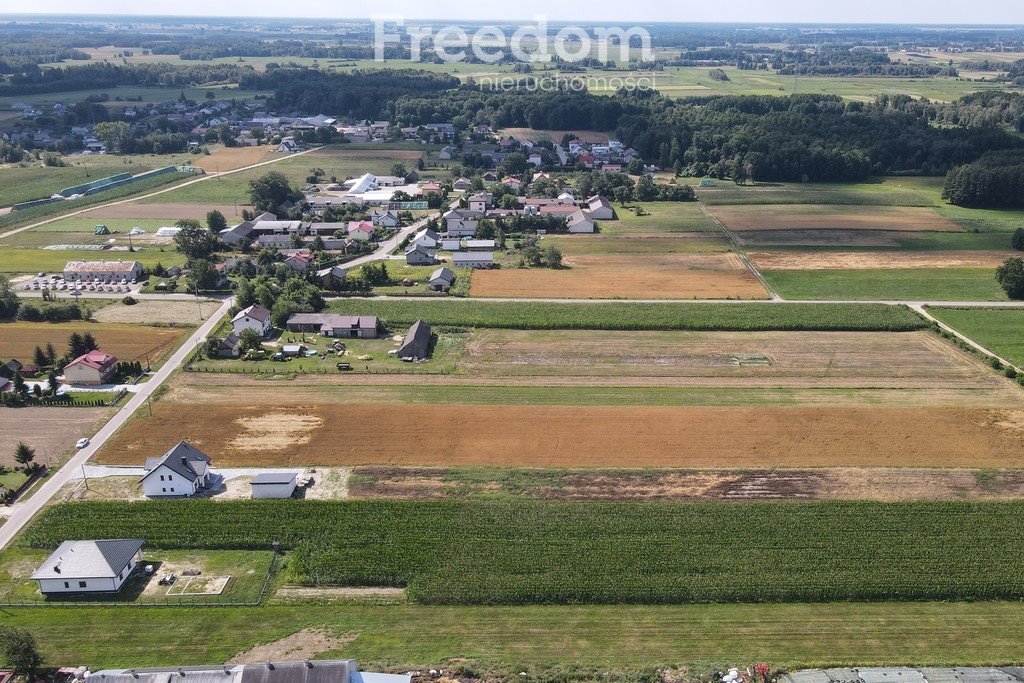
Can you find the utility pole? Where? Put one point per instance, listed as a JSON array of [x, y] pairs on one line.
[[85, 477]]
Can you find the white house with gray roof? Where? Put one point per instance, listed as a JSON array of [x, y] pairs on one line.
[[308, 671], [181, 472], [255, 318], [89, 566]]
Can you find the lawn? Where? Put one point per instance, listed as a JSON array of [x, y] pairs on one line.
[[624, 316], [136, 93], [896, 284], [876, 192], [999, 330], [580, 642], [27, 260], [12, 480], [247, 570], [540, 552]]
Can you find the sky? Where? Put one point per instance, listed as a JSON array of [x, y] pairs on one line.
[[631, 13]]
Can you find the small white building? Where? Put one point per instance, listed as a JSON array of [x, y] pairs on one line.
[[425, 238], [472, 259], [255, 318], [580, 222], [181, 472], [600, 209], [384, 218], [274, 485], [89, 566]]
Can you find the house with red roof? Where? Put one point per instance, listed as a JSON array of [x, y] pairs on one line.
[[95, 367], [360, 230]]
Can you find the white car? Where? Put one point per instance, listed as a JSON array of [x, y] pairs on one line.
[[81, 443]]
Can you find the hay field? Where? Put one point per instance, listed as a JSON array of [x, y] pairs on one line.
[[149, 311], [575, 436], [754, 217], [50, 431], [853, 260], [604, 276], [168, 212], [127, 342], [898, 360]]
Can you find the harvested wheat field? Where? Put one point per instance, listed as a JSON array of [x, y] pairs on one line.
[[366, 153], [792, 359], [50, 431], [832, 217], [127, 342], [579, 436], [608, 276], [170, 212], [149, 311], [832, 260], [640, 243], [229, 158]]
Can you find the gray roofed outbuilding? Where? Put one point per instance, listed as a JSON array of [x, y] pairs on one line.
[[417, 342], [273, 478]]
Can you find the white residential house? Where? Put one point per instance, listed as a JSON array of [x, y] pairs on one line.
[[274, 485], [254, 318], [446, 153], [472, 259], [425, 238], [181, 472], [89, 566], [480, 202], [384, 218], [419, 256], [580, 222]]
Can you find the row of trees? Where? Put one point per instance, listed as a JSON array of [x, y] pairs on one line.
[[995, 181]]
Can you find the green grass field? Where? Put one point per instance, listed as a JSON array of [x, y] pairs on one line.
[[572, 643], [660, 217], [877, 192], [26, 260], [903, 284], [624, 316], [148, 95], [999, 330]]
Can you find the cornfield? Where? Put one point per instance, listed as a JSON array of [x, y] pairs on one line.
[[644, 316], [524, 552]]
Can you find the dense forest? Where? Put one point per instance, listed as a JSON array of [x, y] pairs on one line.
[[994, 181]]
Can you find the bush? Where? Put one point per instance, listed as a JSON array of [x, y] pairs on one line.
[[129, 301]]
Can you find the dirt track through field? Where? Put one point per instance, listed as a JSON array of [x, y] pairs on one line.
[[825, 260], [587, 436], [602, 276], [832, 217]]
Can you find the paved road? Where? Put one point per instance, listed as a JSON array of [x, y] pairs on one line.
[[172, 188], [384, 250], [20, 513]]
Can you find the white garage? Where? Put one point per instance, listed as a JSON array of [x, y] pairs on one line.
[[274, 485]]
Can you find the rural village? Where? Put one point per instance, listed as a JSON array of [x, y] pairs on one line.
[[311, 364]]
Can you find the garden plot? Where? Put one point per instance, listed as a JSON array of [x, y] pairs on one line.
[[638, 276]]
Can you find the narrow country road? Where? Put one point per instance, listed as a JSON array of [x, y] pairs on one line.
[[21, 513]]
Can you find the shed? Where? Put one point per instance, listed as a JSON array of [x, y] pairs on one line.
[[274, 485], [416, 345]]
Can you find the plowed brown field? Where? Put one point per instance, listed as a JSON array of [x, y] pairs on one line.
[[604, 276], [50, 431], [832, 217], [588, 436]]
